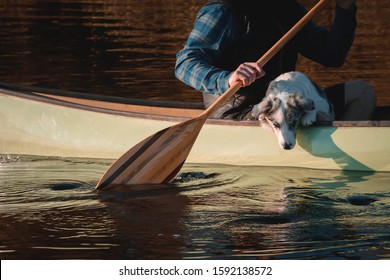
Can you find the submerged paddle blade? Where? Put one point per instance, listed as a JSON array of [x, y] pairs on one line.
[[155, 160]]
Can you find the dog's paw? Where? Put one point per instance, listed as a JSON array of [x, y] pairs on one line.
[[308, 119]]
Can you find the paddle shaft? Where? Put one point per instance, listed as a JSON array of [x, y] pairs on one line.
[[267, 56]]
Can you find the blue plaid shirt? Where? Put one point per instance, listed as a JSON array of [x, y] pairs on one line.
[[216, 27]]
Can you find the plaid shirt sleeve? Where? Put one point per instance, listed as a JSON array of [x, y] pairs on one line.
[[216, 26]]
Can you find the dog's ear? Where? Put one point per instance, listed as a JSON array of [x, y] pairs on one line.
[[263, 108], [305, 104]]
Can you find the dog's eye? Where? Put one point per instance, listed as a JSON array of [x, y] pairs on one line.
[[276, 125]]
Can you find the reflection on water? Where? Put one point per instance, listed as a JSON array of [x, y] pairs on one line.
[[49, 210], [128, 47]]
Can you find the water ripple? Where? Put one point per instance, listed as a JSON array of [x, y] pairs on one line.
[[49, 209]]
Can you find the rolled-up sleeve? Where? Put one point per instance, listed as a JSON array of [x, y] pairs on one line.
[[215, 27]]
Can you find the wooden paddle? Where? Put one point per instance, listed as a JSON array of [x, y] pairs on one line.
[[159, 158]]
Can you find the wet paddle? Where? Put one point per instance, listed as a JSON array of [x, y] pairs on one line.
[[159, 158]]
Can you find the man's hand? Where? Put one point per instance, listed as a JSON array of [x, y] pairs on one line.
[[247, 73], [346, 4]]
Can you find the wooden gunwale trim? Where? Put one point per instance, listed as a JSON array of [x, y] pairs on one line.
[[101, 97], [144, 111], [153, 110]]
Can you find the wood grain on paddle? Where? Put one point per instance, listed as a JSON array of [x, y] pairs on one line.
[[158, 158]]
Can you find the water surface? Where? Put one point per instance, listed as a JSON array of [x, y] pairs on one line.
[[49, 210]]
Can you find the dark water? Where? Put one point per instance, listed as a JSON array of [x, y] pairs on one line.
[[49, 210], [128, 47], [48, 206]]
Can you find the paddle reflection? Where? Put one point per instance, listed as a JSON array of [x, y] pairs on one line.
[[148, 219]]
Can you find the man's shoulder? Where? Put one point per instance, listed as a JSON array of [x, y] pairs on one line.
[[223, 7], [220, 12]]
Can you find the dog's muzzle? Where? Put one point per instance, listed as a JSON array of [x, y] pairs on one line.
[[288, 146]]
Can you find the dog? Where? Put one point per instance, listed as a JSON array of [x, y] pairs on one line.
[[291, 100]]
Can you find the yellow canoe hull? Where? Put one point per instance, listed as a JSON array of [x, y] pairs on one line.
[[46, 123]]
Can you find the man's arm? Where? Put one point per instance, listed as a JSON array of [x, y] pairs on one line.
[[330, 48], [215, 27], [346, 4]]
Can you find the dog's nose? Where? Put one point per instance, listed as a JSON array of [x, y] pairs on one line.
[[287, 146]]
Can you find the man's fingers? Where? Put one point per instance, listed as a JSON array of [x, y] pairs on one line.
[[247, 73]]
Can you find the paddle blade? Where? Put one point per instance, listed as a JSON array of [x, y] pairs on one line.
[[155, 160]]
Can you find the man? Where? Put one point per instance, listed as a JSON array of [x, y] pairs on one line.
[[229, 35]]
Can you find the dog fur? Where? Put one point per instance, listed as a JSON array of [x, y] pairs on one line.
[[292, 100]]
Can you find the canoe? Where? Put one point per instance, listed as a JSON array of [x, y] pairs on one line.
[[46, 122]]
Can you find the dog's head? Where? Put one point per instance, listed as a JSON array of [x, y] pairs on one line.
[[282, 112]]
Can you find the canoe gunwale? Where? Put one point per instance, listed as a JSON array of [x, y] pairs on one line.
[[102, 97], [52, 97]]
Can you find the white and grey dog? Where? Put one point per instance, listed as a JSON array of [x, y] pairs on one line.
[[292, 100]]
